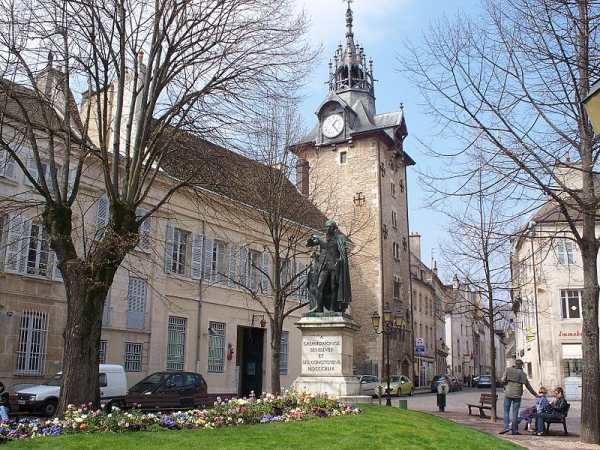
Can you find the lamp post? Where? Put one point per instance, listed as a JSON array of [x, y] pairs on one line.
[[388, 328], [592, 106]]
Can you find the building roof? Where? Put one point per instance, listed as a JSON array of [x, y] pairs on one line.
[[189, 158], [236, 177]]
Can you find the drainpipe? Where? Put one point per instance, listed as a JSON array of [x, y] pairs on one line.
[[200, 283]]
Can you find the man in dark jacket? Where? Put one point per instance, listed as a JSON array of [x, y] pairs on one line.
[[513, 379]]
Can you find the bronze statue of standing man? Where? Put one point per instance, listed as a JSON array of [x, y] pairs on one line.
[[329, 276]]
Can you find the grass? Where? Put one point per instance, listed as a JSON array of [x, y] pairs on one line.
[[380, 427]]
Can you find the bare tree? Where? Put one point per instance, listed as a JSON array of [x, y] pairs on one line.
[[515, 77], [478, 250], [150, 70]]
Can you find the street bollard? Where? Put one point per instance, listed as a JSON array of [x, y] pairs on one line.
[[402, 403], [441, 396]]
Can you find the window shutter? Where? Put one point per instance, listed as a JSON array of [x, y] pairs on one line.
[[137, 295], [7, 165], [244, 270], [56, 274], [561, 253], [169, 248], [144, 230], [16, 242], [208, 258], [265, 284], [101, 217], [233, 264], [197, 243], [32, 169]]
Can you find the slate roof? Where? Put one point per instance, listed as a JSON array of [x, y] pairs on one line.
[[22, 104], [234, 176]]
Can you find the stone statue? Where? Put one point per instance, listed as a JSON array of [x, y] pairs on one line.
[[328, 279]]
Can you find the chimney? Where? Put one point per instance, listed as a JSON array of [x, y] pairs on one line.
[[302, 169], [415, 244]]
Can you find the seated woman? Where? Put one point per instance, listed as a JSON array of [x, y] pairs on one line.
[[555, 410]]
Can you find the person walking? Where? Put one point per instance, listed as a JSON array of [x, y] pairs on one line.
[[514, 379]]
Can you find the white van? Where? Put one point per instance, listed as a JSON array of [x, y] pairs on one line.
[[44, 397]]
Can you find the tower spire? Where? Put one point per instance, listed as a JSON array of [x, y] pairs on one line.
[[349, 72]]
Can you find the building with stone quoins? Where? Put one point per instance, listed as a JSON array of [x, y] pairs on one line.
[[353, 163]]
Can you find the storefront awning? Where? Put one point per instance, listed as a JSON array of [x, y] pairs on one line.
[[572, 351]]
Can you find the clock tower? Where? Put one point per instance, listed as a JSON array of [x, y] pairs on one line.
[[352, 164]]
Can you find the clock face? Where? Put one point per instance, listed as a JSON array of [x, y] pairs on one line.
[[333, 125]]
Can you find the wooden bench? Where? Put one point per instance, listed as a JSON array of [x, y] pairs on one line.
[[15, 413], [547, 422], [485, 402], [172, 402]]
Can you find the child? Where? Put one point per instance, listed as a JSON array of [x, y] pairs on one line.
[[541, 402], [527, 415]]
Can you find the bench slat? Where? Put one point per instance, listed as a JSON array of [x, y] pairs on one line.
[[484, 401]]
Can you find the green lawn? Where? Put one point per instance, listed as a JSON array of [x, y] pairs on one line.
[[379, 427]]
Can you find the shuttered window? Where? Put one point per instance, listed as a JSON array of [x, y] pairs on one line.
[[136, 303]]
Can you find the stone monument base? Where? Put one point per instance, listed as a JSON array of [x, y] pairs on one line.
[[327, 354]]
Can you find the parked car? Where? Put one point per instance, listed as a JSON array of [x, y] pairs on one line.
[[484, 381], [368, 384], [170, 382], [475, 380], [399, 385], [44, 397], [437, 380], [455, 384]]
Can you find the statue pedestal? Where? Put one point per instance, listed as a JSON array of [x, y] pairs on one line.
[[327, 354]]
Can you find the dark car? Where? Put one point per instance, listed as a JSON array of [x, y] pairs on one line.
[[455, 384], [439, 379], [186, 384], [475, 380], [484, 381]]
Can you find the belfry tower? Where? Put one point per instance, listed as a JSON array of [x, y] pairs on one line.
[[353, 166]]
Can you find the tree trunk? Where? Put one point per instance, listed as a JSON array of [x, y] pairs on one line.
[[81, 358], [590, 431]]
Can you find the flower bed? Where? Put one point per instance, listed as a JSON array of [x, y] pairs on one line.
[[292, 405]]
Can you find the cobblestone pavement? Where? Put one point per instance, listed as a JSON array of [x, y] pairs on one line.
[[456, 410]]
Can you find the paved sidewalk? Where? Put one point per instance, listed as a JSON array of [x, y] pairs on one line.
[[457, 412]]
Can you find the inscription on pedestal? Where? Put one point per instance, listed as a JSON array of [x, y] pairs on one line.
[[321, 355]]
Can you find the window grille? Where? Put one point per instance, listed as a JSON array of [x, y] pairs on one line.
[[216, 346], [33, 334], [103, 352], [283, 354], [176, 343], [133, 357]]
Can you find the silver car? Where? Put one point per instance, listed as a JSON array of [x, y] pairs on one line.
[[368, 384]]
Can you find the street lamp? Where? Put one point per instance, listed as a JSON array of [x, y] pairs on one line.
[[388, 328], [592, 106]]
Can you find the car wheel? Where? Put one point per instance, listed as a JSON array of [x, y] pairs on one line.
[[49, 408], [109, 406]]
